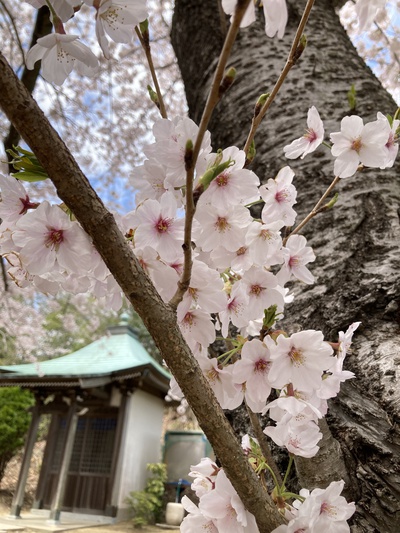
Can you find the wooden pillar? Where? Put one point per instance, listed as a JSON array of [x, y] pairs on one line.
[[113, 493], [70, 431], [18, 499]]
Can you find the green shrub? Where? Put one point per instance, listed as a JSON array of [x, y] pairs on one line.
[[14, 422], [146, 504]]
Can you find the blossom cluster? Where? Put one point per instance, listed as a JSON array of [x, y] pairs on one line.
[[61, 53], [116, 19], [276, 14], [46, 248], [220, 510], [241, 266], [374, 144]]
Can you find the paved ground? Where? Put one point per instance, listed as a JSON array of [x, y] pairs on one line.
[[120, 527]]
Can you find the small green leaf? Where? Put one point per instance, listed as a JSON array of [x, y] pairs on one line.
[[31, 177], [351, 98], [28, 164]]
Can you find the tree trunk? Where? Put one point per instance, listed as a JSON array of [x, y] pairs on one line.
[[357, 243]]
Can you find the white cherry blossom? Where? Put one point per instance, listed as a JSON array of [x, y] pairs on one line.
[[275, 13], [221, 382], [296, 256], [60, 53], [252, 369], [300, 359], [265, 243], [235, 185], [327, 510], [205, 289], [367, 10], [298, 439], [279, 195], [235, 310], [311, 139], [158, 226], [117, 19], [261, 290], [392, 144], [219, 226], [196, 327], [49, 240], [15, 201], [358, 143], [63, 8]]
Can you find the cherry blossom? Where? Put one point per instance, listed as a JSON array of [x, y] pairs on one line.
[[235, 310], [195, 520], [15, 201], [63, 8], [117, 19], [235, 185], [311, 139], [326, 510], [196, 326], [225, 508], [261, 290], [221, 382], [275, 13], [296, 256], [159, 226], [60, 53], [205, 290], [358, 143], [392, 145], [367, 10], [252, 369], [297, 525], [219, 226], [300, 359], [170, 146], [265, 243], [298, 439], [49, 240], [204, 474], [279, 196]]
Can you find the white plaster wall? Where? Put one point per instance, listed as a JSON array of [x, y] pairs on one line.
[[140, 444]]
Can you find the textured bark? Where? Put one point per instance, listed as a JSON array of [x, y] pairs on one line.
[[42, 27], [357, 243], [75, 190]]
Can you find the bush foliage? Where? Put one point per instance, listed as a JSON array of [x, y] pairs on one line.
[[146, 504], [14, 422]]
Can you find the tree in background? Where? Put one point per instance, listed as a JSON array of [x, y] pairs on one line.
[[321, 78], [14, 422]]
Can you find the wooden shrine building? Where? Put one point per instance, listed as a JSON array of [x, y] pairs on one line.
[[106, 403]]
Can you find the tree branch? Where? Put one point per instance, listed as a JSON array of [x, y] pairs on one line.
[[75, 190]]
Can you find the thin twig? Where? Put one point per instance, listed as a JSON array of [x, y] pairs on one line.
[[213, 96], [290, 62], [262, 441], [316, 209], [12, 20], [147, 50], [212, 100]]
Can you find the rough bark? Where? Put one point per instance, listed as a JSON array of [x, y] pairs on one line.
[[159, 318], [42, 27], [357, 243]]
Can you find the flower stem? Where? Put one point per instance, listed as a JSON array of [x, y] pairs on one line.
[[265, 449], [316, 209], [290, 62], [147, 50], [287, 472], [212, 100]]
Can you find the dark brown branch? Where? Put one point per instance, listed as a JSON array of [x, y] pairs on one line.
[[42, 27]]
